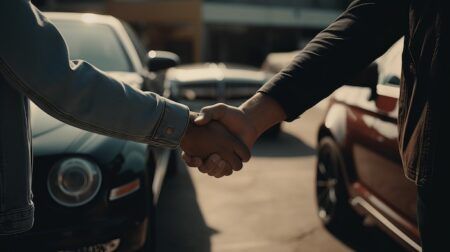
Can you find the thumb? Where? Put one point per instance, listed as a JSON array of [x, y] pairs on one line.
[[202, 119], [207, 114]]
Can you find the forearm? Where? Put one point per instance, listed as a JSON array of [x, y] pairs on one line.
[[338, 53], [35, 61], [263, 112]]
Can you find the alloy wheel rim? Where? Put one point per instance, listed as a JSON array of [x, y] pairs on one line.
[[326, 189]]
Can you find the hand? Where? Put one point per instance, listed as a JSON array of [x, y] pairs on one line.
[[234, 119], [248, 122], [236, 122], [202, 141]]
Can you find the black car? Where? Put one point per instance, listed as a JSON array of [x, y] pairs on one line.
[[92, 192]]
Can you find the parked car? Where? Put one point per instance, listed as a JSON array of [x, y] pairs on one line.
[[359, 166], [200, 85], [92, 192], [112, 46], [276, 61]]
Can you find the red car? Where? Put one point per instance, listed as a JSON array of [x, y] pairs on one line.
[[359, 170]]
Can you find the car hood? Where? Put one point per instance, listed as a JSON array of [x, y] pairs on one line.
[[53, 137]]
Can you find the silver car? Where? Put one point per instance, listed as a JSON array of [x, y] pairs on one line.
[[200, 85]]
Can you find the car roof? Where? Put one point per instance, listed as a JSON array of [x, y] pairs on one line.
[[206, 72]]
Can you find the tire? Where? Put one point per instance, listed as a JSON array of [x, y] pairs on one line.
[[332, 197]]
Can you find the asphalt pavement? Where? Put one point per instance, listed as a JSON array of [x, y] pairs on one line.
[[268, 206]]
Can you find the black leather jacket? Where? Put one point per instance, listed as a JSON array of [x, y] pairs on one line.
[[360, 35], [34, 65]]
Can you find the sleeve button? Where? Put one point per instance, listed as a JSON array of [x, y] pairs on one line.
[[169, 131]]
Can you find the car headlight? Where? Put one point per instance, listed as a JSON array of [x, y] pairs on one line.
[[74, 182]]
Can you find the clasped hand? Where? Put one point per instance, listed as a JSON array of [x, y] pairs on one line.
[[218, 140]]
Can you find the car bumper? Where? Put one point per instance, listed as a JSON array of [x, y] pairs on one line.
[[108, 235]]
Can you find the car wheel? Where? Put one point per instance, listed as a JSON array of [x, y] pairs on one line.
[[333, 205]]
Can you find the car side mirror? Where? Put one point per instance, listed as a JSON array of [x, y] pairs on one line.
[[367, 78], [161, 60]]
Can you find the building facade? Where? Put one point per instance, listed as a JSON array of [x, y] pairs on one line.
[[239, 31]]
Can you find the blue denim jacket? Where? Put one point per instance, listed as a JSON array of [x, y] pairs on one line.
[[34, 64]]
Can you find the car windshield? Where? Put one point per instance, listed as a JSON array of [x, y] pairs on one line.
[[97, 44]]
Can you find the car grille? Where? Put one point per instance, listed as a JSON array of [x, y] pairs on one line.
[[209, 91], [219, 91]]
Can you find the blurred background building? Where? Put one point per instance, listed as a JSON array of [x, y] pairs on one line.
[[239, 31]]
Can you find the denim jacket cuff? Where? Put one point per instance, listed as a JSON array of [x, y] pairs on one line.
[[172, 124]]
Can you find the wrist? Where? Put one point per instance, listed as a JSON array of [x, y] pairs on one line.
[[262, 112], [189, 127], [252, 132]]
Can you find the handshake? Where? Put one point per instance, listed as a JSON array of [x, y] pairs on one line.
[[219, 139]]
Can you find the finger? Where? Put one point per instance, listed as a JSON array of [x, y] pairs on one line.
[[202, 119], [197, 161], [190, 160], [218, 169], [223, 169], [210, 163], [241, 150], [234, 160], [228, 172], [187, 159], [203, 168], [214, 112]]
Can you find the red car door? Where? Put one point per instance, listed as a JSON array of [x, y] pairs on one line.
[[373, 137]]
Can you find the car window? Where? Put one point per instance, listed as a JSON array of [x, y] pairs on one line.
[[390, 65], [142, 52], [97, 44]]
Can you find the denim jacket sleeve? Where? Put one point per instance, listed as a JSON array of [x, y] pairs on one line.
[[35, 61]]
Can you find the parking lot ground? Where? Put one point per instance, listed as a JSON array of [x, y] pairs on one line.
[[268, 206]]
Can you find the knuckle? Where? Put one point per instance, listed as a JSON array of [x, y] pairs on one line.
[[205, 109], [203, 169], [237, 167], [221, 105]]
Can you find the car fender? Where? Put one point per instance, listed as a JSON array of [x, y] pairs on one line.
[[336, 123]]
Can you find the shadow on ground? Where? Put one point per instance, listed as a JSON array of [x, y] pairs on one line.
[[180, 223], [284, 145]]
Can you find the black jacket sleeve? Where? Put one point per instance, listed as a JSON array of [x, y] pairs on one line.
[[358, 36]]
